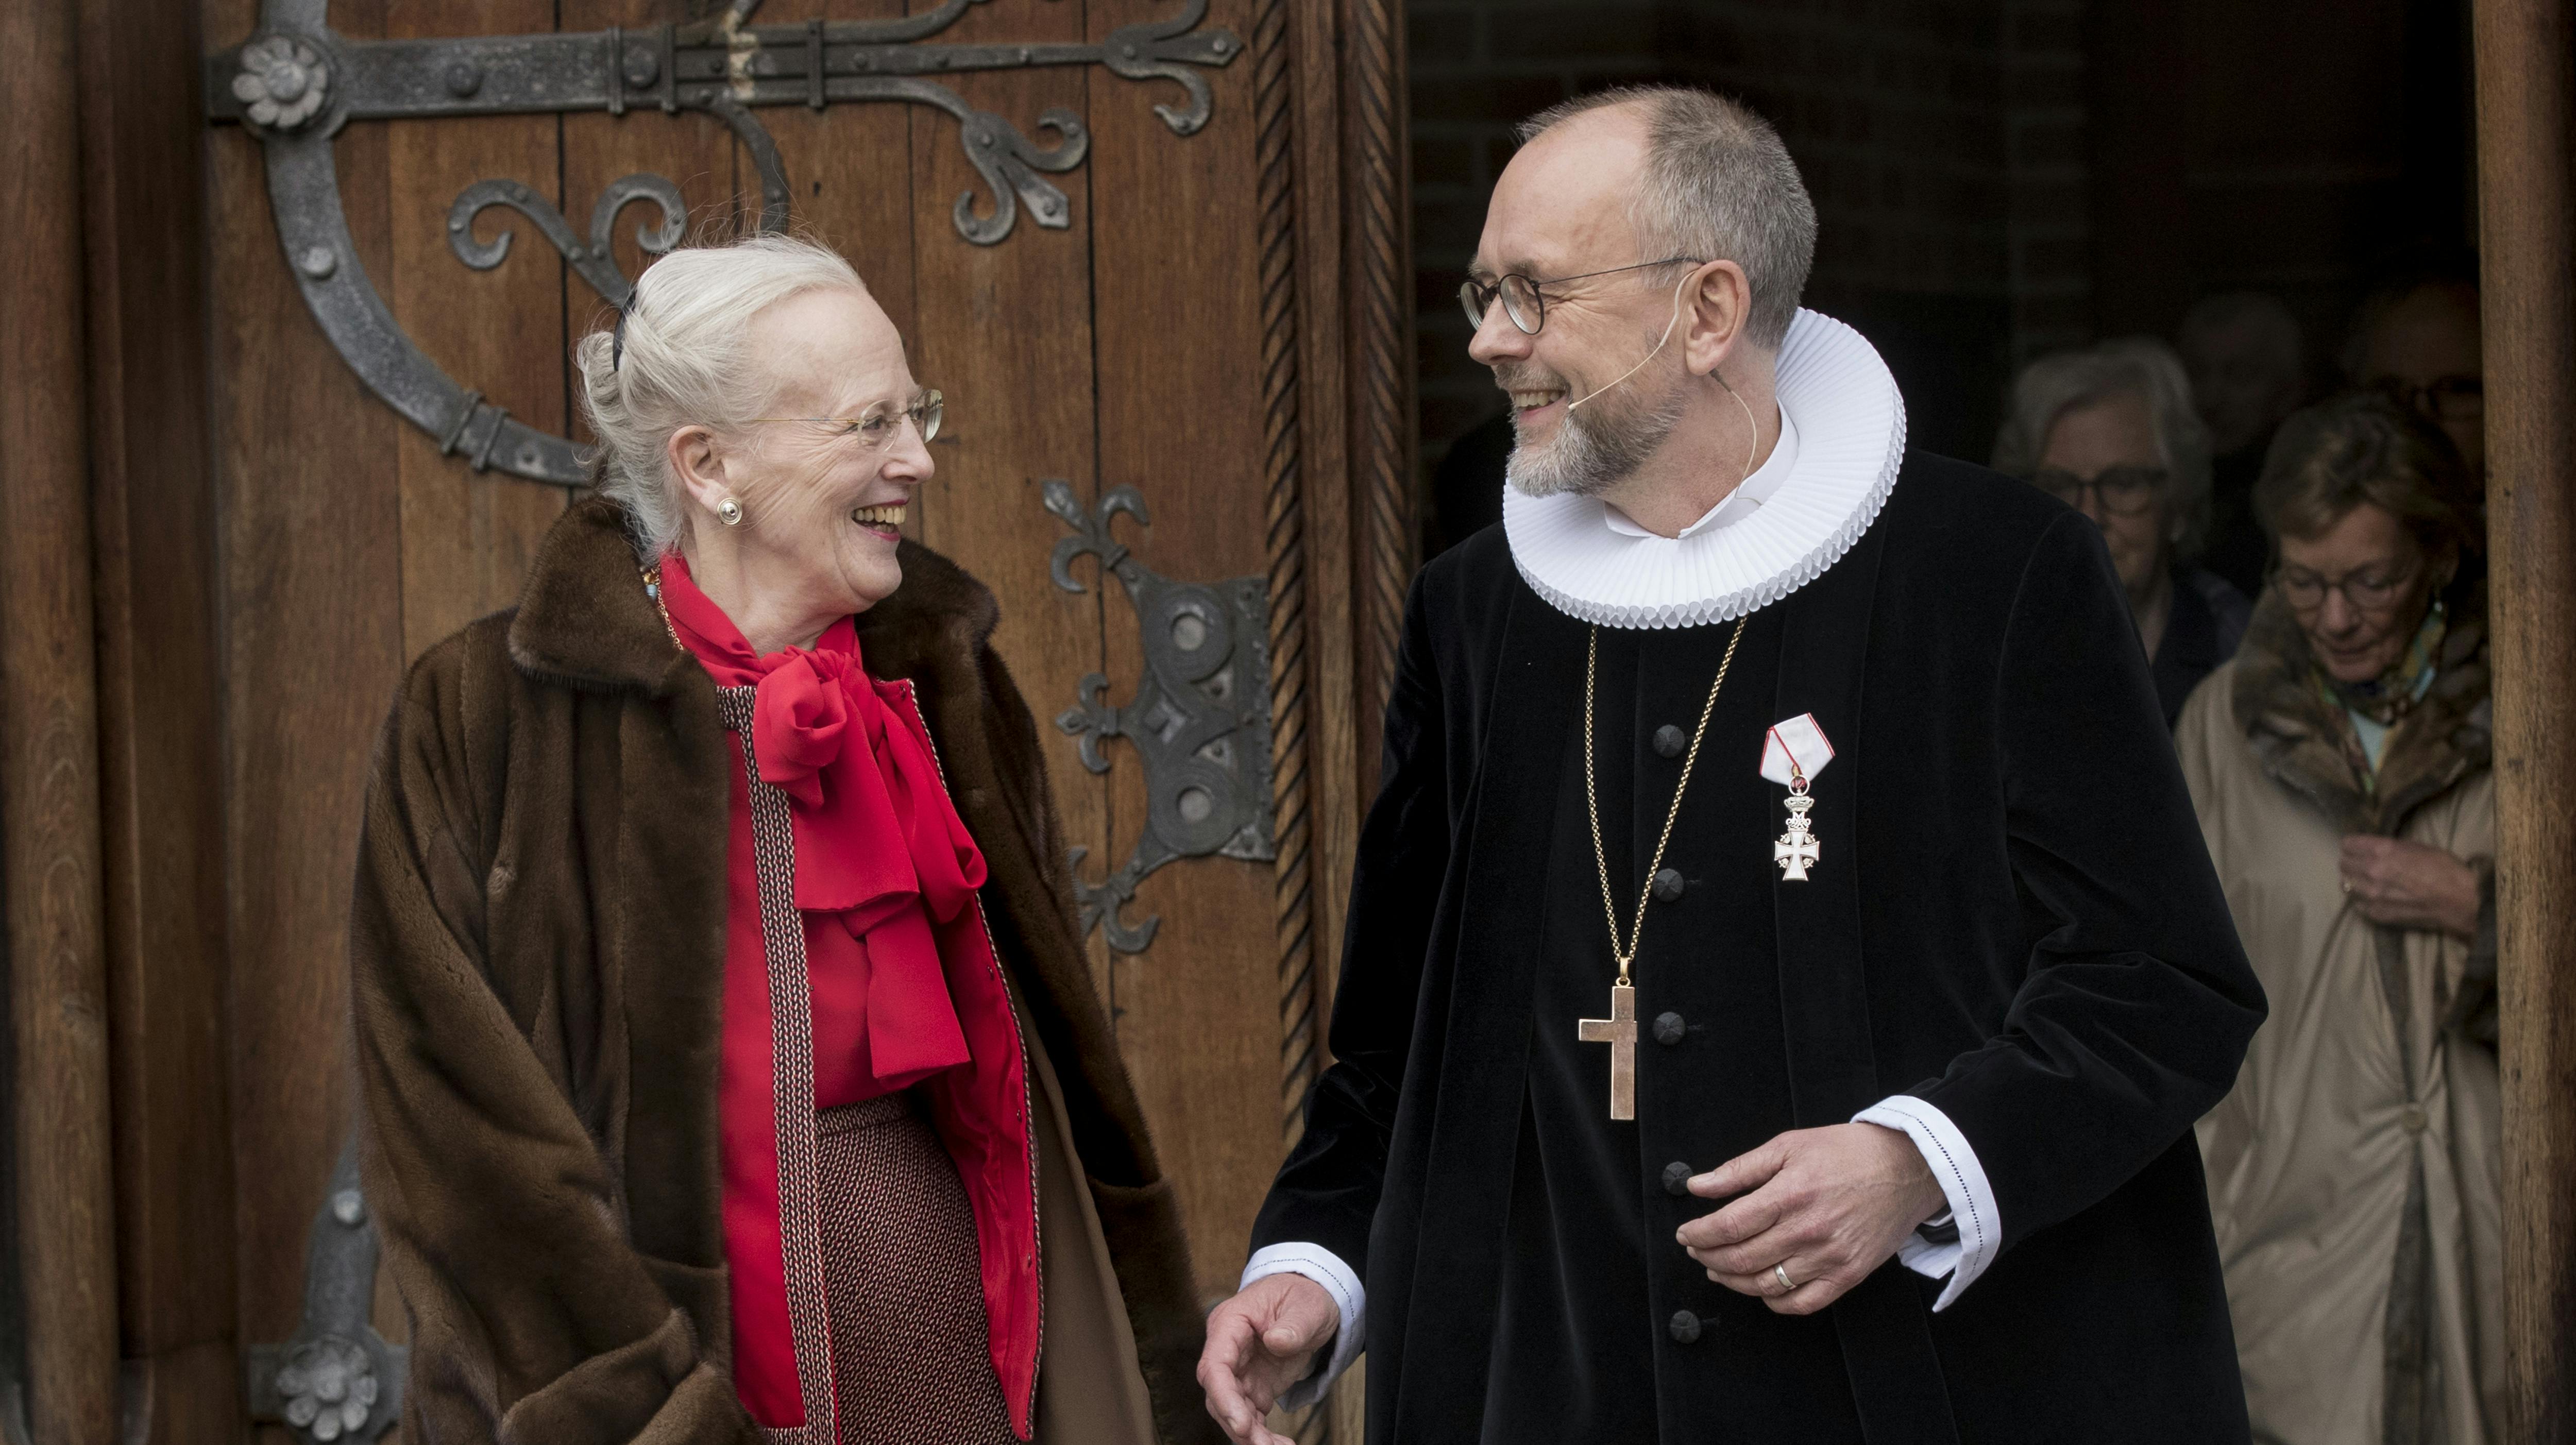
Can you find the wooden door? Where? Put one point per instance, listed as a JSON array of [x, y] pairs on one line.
[[1213, 317]]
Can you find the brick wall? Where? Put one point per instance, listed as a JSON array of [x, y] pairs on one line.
[[1477, 69], [2048, 237], [1942, 141], [2285, 146]]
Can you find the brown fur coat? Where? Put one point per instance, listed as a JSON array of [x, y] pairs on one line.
[[538, 945]]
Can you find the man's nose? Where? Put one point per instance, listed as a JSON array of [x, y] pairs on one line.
[[2089, 502], [1497, 339]]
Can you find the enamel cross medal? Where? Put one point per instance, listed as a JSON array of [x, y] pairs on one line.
[[1793, 752], [1796, 851]]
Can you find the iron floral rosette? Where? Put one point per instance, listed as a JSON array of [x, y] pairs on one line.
[[329, 1386], [282, 82]]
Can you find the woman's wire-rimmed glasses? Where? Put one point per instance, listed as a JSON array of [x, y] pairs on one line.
[[876, 427], [2123, 491], [1525, 304], [2368, 590]]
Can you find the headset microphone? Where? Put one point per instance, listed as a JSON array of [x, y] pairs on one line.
[[1753, 429], [1651, 355]]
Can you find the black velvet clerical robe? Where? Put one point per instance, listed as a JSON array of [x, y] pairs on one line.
[[2013, 919]]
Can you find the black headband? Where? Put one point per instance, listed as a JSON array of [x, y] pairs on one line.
[[617, 338]]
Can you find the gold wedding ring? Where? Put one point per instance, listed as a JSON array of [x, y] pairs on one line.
[[1780, 1272]]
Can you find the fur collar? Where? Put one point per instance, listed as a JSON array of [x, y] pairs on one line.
[[584, 621], [2296, 733]]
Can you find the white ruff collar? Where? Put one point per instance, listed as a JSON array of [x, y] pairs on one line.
[[1850, 425]]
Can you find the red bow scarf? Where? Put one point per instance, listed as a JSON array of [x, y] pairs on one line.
[[905, 988]]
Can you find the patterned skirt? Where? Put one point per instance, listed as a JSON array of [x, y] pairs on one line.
[[911, 1355]]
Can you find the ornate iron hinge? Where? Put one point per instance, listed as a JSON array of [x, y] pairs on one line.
[[295, 83], [337, 1380], [1200, 720]]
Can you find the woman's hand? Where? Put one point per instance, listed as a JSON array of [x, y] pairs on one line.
[[2408, 885]]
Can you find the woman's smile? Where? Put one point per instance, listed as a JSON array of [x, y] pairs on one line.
[[884, 519]]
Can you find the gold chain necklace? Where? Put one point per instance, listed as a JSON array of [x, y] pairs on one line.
[[653, 589], [1619, 1030]]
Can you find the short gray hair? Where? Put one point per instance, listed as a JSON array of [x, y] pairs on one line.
[[686, 363], [1718, 185], [2139, 366]]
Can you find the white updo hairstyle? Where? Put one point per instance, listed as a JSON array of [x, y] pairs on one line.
[[685, 363]]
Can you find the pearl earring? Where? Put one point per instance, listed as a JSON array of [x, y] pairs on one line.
[[729, 512]]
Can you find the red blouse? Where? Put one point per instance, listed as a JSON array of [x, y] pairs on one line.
[[904, 985]]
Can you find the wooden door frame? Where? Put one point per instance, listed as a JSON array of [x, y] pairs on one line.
[[112, 820], [2526, 98], [113, 811], [1342, 519], [49, 786]]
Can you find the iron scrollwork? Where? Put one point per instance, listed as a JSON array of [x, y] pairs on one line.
[[337, 1381], [295, 83], [1200, 720], [595, 260]]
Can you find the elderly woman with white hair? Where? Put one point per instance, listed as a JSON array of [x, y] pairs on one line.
[[2111, 431], [729, 1062]]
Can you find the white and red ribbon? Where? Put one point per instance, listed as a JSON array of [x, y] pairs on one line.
[[1795, 748]]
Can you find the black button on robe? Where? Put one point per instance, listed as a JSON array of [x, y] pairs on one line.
[[1592, 1277], [2014, 920]]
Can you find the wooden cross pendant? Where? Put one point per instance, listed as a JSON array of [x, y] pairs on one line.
[[1619, 1031]]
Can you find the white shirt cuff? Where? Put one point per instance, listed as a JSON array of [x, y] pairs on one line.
[[1349, 1295], [1963, 1183]]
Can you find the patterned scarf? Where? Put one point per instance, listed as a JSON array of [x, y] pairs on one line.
[[2387, 698]]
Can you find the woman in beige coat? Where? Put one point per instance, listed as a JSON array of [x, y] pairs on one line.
[[2340, 767]]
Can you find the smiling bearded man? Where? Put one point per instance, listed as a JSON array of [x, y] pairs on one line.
[[1783, 967]]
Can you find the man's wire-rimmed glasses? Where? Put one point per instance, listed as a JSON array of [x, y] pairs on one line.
[[877, 426], [1525, 303], [2456, 398]]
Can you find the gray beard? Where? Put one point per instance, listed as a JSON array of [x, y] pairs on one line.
[[1598, 449]]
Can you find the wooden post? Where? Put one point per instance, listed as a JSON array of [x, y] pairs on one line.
[[160, 759], [1377, 194], [2528, 224], [49, 852]]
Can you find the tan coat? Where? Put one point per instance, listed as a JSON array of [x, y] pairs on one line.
[[2354, 1172]]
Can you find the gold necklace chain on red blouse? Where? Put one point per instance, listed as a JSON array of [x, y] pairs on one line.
[[653, 589]]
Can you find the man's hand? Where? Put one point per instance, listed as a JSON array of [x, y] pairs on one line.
[[1827, 1206], [1258, 1344], [2407, 885]]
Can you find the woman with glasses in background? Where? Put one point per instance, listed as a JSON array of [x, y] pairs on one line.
[[2340, 766], [2111, 431]]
